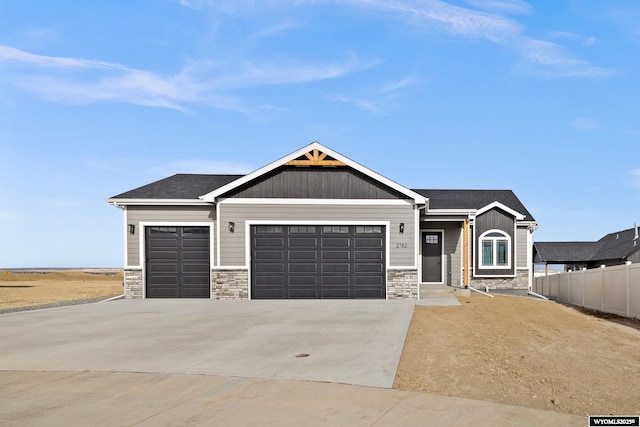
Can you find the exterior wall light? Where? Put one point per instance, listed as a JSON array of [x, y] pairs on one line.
[[232, 227], [401, 227], [132, 229]]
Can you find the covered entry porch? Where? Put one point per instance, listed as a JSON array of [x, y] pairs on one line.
[[443, 254]]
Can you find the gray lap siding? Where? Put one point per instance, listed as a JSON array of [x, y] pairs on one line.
[[161, 214], [233, 246]]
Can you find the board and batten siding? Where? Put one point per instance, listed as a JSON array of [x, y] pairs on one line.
[[162, 214], [494, 219], [452, 249], [321, 183], [233, 245]]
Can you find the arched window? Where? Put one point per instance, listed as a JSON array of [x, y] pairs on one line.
[[495, 249]]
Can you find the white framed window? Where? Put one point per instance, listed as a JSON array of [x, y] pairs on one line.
[[495, 249]]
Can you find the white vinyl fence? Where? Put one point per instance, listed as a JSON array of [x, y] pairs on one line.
[[610, 290]]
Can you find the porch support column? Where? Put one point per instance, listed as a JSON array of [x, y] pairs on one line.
[[465, 251]]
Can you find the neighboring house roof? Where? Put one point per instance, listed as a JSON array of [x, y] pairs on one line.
[[564, 252], [474, 199], [616, 245], [179, 186]]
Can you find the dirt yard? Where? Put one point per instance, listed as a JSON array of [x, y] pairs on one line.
[[39, 288], [525, 352]]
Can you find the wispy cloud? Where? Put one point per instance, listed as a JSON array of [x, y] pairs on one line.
[[398, 84], [586, 123], [507, 6], [84, 81], [549, 59], [484, 20], [362, 104], [565, 35]]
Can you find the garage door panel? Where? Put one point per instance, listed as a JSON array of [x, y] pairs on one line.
[[302, 255], [158, 255], [319, 262], [368, 268], [303, 242], [269, 267], [156, 268], [268, 242], [336, 280], [270, 281], [336, 242], [302, 281], [177, 262], [269, 255], [368, 280], [369, 255], [196, 256], [371, 242], [303, 268], [336, 255], [336, 267]]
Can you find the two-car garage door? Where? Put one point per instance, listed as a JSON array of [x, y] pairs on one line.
[[308, 261]]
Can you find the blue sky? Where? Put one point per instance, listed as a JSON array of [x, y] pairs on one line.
[[97, 98]]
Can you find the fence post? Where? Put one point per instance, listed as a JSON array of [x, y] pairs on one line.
[[628, 294], [602, 289], [584, 281], [569, 289]]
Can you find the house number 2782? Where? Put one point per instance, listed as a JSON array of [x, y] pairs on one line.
[[401, 245]]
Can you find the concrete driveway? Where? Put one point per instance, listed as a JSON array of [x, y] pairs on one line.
[[351, 342]]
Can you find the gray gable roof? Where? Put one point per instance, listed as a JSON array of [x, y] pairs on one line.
[[564, 252], [473, 199], [192, 186], [179, 186], [617, 245], [614, 246]]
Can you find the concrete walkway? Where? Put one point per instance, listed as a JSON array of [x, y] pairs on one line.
[[99, 399]]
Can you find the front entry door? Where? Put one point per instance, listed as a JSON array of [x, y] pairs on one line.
[[432, 256]]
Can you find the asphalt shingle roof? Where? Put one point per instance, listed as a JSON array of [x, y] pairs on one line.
[[617, 245], [191, 186], [179, 186], [474, 199]]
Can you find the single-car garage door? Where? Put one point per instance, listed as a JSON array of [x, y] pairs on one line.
[[318, 261], [177, 262]]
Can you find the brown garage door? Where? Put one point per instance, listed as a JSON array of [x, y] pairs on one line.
[[177, 262], [317, 261]]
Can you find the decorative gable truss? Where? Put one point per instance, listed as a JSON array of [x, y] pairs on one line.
[[315, 158]]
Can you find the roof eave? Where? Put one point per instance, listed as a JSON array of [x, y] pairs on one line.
[[117, 202]]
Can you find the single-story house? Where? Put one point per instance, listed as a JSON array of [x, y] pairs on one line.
[[615, 248], [316, 224]]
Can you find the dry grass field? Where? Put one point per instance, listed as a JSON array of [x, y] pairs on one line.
[[525, 352], [48, 287]]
